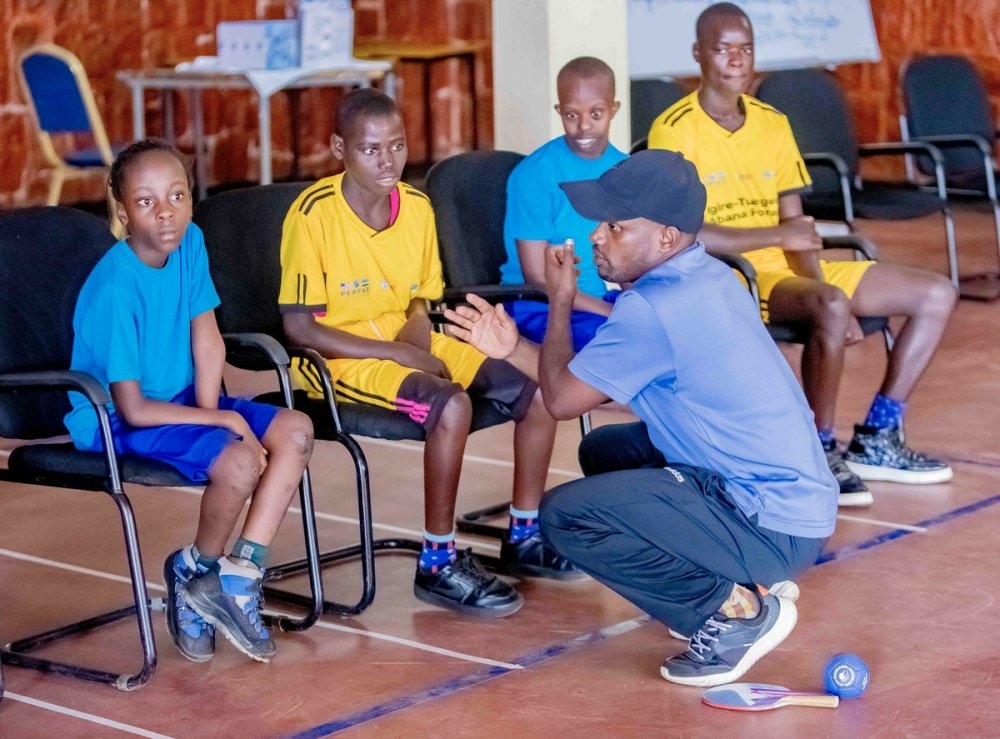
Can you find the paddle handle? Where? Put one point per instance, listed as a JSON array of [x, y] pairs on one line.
[[816, 701]]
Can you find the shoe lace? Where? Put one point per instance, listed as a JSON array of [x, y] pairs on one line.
[[470, 566], [252, 608], [702, 642], [838, 466], [187, 616]]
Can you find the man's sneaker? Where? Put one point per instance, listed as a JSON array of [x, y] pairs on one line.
[[193, 636], [880, 454], [532, 557], [231, 603], [853, 491], [724, 648], [786, 589], [465, 586]]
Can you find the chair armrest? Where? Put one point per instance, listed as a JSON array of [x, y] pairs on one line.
[[911, 147], [742, 265], [959, 140], [861, 245], [317, 362], [828, 159], [81, 382], [247, 351], [494, 293]]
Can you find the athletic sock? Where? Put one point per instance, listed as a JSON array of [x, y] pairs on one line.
[[202, 563], [827, 437], [741, 603], [250, 551], [522, 525], [885, 413], [438, 551]]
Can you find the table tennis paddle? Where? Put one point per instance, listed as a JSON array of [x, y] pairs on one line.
[[763, 697]]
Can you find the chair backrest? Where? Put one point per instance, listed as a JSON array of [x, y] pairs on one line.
[[46, 255], [469, 194], [946, 95], [820, 118], [649, 98], [62, 101], [243, 238]]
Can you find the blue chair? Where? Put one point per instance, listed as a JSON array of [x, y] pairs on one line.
[[62, 103]]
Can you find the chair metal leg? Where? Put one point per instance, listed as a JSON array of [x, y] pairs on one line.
[[56, 185], [469, 523], [18, 652], [364, 550]]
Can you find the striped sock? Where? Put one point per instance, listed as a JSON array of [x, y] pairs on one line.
[[523, 524], [438, 551], [885, 413]]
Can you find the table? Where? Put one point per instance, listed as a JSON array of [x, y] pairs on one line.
[[194, 78], [427, 55]]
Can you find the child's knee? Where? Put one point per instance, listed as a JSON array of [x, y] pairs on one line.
[[457, 412], [296, 431], [238, 467]]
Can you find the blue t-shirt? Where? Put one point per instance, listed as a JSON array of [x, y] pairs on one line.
[[538, 210], [686, 349], [133, 322]]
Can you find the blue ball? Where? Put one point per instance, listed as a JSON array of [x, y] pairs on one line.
[[846, 675]]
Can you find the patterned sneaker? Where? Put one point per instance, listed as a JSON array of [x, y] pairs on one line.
[[879, 454], [465, 586], [532, 557], [193, 636], [786, 589], [853, 492], [724, 648], [231, 602]]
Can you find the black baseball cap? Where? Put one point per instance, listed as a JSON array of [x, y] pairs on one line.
[[657, 184]]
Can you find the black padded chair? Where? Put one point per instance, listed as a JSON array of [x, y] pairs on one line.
[[45, 256], [649, 98], [823, 128], [947, 105], [243, 234]]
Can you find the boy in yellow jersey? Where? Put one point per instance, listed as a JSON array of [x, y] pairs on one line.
[[359, 259], [750, 165]]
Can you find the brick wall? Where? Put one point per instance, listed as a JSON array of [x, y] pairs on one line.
[[109, 35]]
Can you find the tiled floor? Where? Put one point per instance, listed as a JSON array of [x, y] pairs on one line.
[[909, 584]]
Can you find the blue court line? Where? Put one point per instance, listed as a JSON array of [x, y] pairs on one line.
[[545, 654]]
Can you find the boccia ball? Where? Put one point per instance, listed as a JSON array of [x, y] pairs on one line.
[[846, 675]]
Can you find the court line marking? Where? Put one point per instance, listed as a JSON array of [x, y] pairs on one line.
[[128, 728], [454, 685], [74, 568], [531, 659], [887, 524]]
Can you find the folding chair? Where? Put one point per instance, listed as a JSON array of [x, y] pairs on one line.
[[243, 234], [947, 105], [62, 102], [469, 193], [45, 256], [824, 131], [649, 98]]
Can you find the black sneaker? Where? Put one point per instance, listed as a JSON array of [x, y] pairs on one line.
[[853, 492], [194, 637], [532, 557], [466, 587], [232, 604], [880, 454]]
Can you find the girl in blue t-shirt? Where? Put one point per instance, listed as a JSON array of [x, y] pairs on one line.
[[145, 328]]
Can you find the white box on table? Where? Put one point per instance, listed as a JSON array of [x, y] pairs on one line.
[[327, 28], [258, 44]]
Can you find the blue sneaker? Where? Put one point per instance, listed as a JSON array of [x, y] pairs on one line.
[[231, 602], [193, 636], [724, 648]]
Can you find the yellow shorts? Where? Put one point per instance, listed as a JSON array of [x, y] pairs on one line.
[[386, 384], [845, 274]]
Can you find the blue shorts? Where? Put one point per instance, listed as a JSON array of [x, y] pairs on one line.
[[190, 448], [532, 317]]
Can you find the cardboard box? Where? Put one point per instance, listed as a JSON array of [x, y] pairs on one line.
[[258, 44], [327, 28]]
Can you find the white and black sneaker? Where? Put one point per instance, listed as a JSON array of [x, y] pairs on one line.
[[880, 454], [853, 492]]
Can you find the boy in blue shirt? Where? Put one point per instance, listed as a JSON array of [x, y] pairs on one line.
[[145, 328], [538, 212]]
